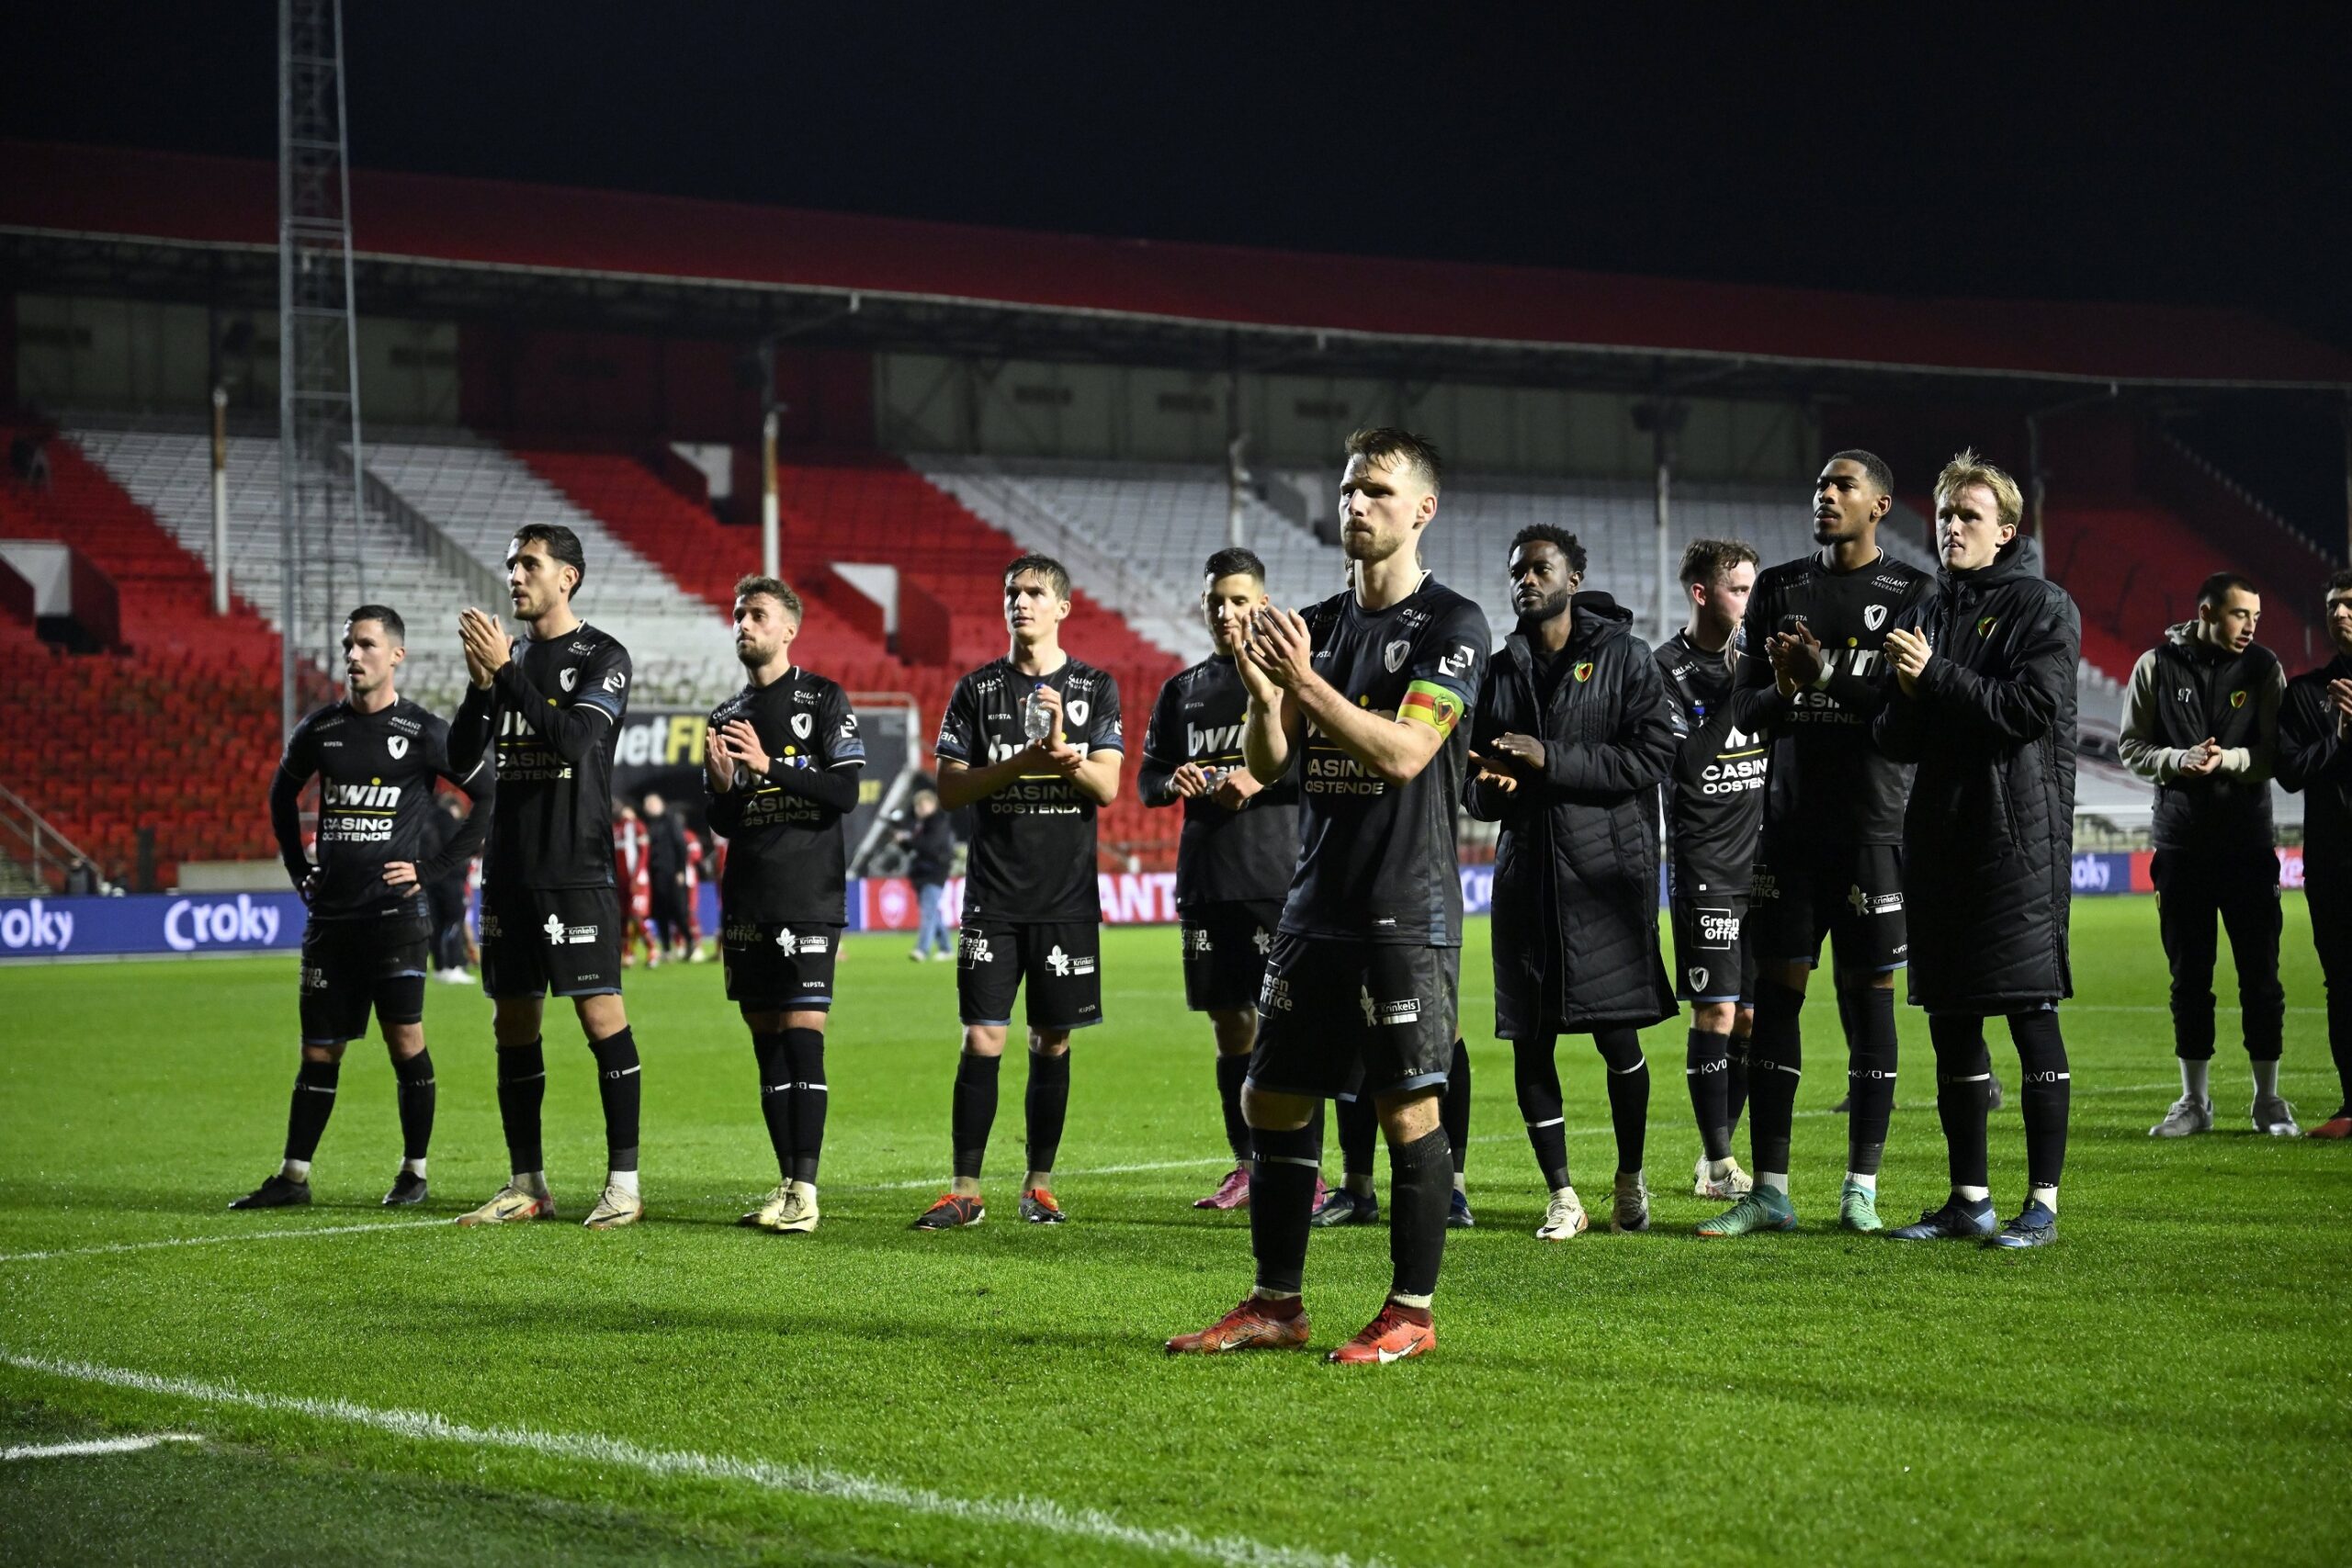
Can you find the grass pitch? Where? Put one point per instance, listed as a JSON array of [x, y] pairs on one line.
[[2173, 1381]]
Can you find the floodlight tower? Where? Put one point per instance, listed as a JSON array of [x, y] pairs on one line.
[[318, 344]]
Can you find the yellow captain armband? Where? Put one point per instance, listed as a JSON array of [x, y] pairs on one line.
[[1428, 703]]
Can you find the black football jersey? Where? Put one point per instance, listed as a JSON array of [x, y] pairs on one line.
[[555, 713], [1222, 856], [1378, 861], [1716, 798], [375, 774], [1828, 782], [786, 859], [1032, 855]]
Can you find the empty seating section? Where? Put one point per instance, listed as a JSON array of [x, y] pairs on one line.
[[170, 473], [179, 731], [478, 496], [2134, 567], [1161, 520], [705, 558]]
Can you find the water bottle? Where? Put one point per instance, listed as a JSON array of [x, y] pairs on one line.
[[1036, 716]]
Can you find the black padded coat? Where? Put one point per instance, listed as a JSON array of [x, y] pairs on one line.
[[1988, 836], [1576, 900]]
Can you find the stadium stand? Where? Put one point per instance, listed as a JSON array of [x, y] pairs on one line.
[[169, 472], [192, 697], [2133, 566], [478, 494]]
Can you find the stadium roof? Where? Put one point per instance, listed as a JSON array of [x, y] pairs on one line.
[[164, 224]]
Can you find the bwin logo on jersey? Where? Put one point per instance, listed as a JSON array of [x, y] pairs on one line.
[[1394, 655], [1873, 616], [1211, 741], [373, 796], [397, 746]]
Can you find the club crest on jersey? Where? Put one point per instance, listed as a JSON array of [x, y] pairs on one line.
[[1873, 616], [1698, 978], [2237, 699], [801, 725], [1394, 655], [1076, 712], [1984, 627], [568, 680], [397, 746], [1583, 671]]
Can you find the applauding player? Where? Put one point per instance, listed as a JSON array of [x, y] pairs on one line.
[[1033, 741], [1829, 861], [1715, 801], [1365, 696], [1572, 739], [551, 916], [366, 941], [1983, 702], [782, 765], [1240, 840]]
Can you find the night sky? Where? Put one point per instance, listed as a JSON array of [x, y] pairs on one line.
[[2146, 154]]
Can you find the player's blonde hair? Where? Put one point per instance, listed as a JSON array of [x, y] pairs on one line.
[[1967, 469]]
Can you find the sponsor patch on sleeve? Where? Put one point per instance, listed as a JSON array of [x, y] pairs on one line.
[[1428, 703]]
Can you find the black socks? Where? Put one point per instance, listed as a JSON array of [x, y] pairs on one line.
[[1536, 1076], [1046, 1105], [1282, 1198], [1868, 1013], [1421, 1188], [1963, 1093], [804, 1062], [415, 1074], [522, 1086], [1454, 1113], [1776, 1065], [974, 1112], [775, 1096], [618, 1084], [1230, 1072], [314, 1102], [1359, 1131], [1706, 1066], [2046, 1094], [1629, 1093]]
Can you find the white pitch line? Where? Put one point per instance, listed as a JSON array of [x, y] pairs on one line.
[[212, 1240], [804, 1480], [97, 1446]]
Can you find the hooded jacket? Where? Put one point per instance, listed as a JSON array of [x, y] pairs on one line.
[[2315, 757], [2183, 691], [1988, 835], [1575, 875]]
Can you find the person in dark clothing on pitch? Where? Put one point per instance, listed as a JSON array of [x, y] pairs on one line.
[[2315, 757], [1828, 862], [2201, 722], [1982, 701], [665, 838], [930, 841], [1572, 736]]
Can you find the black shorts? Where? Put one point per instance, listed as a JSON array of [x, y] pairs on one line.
[[565, 939], [1349, 1019], [1224, 952], [351, 966], [779, 968], [1714, 961], [1060, 963], [1852, 894]]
